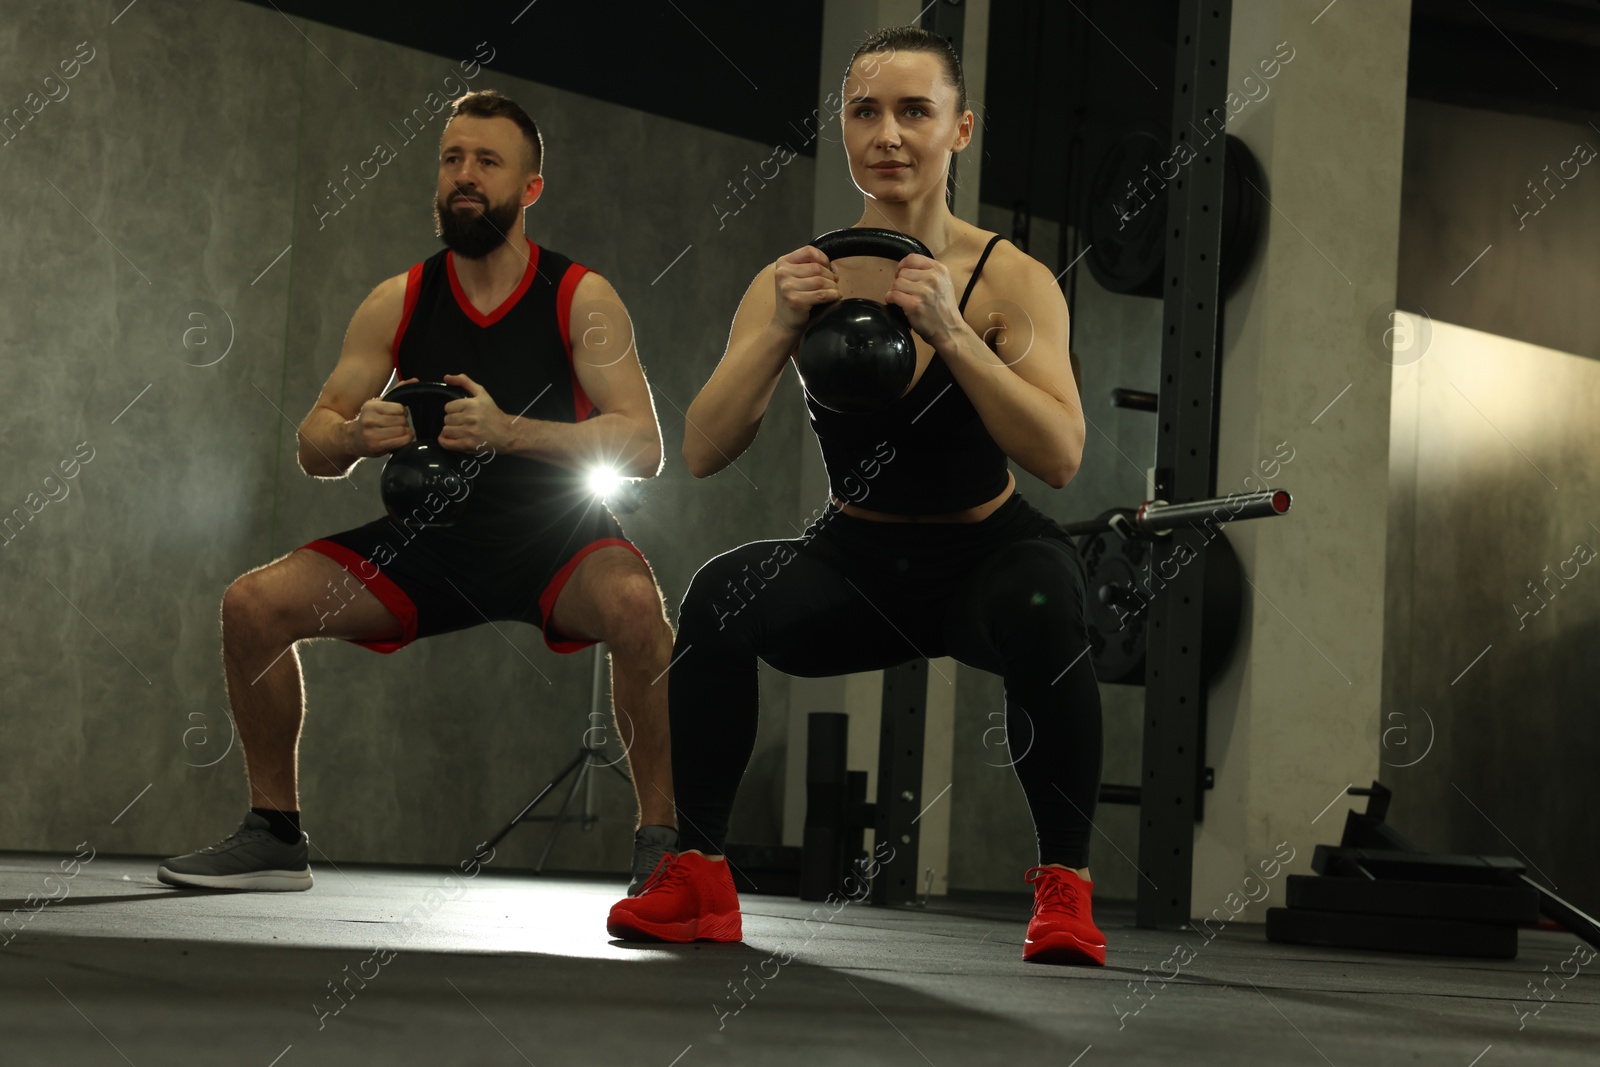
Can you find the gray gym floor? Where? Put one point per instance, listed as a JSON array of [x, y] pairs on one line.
[[518, 969]]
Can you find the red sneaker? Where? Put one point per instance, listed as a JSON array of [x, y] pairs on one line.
[[686, 898], [1062, 930]]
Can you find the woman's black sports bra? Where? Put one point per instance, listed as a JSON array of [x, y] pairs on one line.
[[927, 453]]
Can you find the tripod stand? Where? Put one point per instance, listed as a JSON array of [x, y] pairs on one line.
[[583, 763]]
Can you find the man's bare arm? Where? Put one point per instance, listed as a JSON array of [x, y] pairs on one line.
[[338, 433]]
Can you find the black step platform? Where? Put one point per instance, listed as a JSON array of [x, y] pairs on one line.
[[1502, 904], [1414, 866], [1379, 891], [1392, 933]]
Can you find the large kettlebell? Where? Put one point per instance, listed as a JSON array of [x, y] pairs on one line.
[[859, 355], [422, 483]]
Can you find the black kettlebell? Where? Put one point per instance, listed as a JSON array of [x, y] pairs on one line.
[[859, 355], [423, 469]]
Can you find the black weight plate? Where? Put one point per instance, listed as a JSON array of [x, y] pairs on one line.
[[1243, 185], [1118, 575], [1224, 586], [1124, 221], [1126, 236]]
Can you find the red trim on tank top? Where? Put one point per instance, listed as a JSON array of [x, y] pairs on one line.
[[413, 287], [582, 406], [510, 302]]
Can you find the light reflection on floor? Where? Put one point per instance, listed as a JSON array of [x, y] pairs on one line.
[[395, 908]]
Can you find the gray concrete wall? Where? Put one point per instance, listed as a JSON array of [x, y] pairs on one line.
[[180, 174], [1489, 731], [1504, 241]]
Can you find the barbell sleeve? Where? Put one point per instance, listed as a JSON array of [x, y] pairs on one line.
[[1154, 516], [1135, 399]]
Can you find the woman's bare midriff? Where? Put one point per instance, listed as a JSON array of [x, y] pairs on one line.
[[973, 514]]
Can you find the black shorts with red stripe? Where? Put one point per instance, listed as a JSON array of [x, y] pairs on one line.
[[438, 579]]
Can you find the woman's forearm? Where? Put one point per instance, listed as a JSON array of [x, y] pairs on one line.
[[1043, 435], [724, 417]]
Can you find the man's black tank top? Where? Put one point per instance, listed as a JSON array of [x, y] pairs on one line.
[[519, 353], [927, 453]]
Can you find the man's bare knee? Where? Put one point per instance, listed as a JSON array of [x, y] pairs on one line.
[[635, 619], [247, 612]]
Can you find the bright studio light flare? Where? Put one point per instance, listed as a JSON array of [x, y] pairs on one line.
[[603, 481]]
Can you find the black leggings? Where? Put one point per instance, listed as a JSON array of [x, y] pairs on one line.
[[1004, 595]]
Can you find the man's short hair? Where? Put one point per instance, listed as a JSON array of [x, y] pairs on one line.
[[488, 104]]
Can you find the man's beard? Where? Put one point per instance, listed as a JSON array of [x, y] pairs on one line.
[[474, 233]]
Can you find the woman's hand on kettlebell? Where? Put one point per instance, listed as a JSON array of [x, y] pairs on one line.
[[804, 279], [923, 291], [382, 426], [474, 421]]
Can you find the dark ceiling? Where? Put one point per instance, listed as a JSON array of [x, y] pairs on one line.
[[744, 68], [1063, 78], [1531, 57]]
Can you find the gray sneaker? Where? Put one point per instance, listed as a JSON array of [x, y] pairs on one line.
[[650, 843], [250, 858]]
